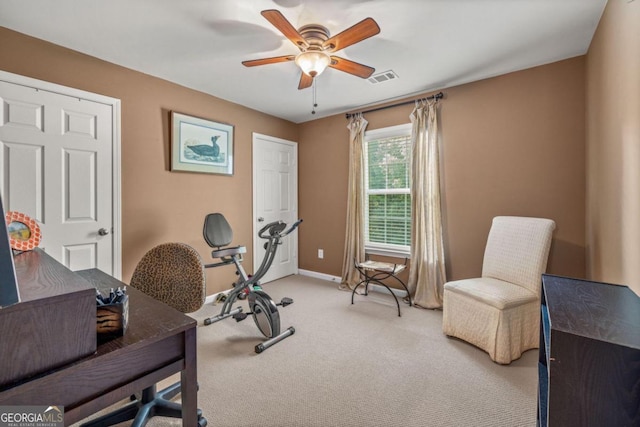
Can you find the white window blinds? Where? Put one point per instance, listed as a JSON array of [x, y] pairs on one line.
[[387, 189]]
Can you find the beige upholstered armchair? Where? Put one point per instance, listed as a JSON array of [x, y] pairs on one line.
[[500, 311]]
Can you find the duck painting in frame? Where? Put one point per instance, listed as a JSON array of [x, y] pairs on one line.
[[201, 145]]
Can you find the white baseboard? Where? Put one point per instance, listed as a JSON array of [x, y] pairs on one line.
[[400, 293], [210, 299], [377, 288], [321, 276]]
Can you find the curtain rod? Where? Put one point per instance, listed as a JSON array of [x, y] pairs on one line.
[[437, 96]]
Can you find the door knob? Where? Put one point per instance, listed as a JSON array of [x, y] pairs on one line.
[[260, 219], [103, 232]]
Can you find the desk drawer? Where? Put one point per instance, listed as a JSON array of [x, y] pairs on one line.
[[96, 376]]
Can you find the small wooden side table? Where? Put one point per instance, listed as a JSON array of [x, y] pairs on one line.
[[375, 272]]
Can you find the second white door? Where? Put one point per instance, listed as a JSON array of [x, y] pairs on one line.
[[275, 197]]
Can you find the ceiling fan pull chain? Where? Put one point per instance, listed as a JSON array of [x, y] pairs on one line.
[[315, 104]]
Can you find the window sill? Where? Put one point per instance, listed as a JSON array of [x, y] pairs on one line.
[[388, 252]]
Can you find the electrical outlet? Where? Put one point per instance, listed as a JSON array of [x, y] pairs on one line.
[[321, 253]]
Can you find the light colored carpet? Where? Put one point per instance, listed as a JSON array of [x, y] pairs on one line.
[[354, 365]]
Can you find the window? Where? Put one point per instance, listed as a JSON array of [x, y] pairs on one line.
[[387, 154]]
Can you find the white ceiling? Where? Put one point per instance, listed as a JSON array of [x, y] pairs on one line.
[[429, 44]]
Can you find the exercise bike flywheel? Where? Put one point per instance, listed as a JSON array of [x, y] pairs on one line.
[[265, 314]]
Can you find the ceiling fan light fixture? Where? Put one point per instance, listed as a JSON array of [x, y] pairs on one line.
[[317, 46], [313, 62]]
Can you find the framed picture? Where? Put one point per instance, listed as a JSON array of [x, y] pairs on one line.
[[200, 145]]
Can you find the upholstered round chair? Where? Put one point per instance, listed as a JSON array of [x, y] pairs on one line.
[[172, 273]]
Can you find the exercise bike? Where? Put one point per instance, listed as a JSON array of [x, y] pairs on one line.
[[218, 234]]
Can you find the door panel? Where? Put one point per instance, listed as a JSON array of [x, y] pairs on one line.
[[23, 165], [79, 190], [275, 195], [77, 256]]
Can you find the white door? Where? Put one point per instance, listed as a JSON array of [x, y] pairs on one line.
[[275, 197], [57, 166]]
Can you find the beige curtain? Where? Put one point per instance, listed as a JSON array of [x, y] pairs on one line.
[[354, 238], [427, 275]]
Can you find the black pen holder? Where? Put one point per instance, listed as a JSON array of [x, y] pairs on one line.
[[112, 319]]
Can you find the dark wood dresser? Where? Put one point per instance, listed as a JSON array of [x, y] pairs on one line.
[[589, 365]]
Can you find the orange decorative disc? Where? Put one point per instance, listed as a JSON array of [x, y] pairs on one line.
[[24, 232]]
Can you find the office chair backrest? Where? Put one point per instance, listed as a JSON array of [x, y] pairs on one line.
[[217, 231], [174, 274]]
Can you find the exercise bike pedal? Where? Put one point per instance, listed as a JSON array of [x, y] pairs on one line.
[[285, 302], [240, 316]]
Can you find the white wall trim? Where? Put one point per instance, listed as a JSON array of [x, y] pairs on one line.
[[209, 300], [372, 286], [321, 276]]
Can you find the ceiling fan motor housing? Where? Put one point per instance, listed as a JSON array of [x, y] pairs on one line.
[[315, 35]]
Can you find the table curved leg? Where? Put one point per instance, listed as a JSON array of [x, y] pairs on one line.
[[377, 277], [355, 288], [405, 288], [392, 294]]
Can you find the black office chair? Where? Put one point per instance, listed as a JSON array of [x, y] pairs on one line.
[[174, 274]]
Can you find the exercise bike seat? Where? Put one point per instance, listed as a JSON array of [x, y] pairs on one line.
[[218, 234], [227, 252]]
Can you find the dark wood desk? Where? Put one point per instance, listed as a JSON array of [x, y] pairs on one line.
[[158, 343]]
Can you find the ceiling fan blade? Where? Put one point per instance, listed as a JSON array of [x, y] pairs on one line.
[[360, 31], [351, 67], [265, 61], [278, 20], [305, 81]]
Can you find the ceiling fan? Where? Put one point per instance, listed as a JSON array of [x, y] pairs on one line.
[[316, 47]]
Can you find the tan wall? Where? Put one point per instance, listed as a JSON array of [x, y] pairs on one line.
[[613, 147], [157, 205], [511, 145]]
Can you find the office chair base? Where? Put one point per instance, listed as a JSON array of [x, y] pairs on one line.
[[140, 411]]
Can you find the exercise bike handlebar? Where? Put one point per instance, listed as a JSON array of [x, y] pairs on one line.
[[276, 228], [272, 232]]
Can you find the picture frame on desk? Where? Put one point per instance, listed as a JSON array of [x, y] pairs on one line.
[[24, 232]]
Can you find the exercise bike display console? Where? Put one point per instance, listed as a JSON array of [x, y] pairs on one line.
[[218, 234]]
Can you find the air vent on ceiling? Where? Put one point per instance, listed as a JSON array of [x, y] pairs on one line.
[[383, 77]]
